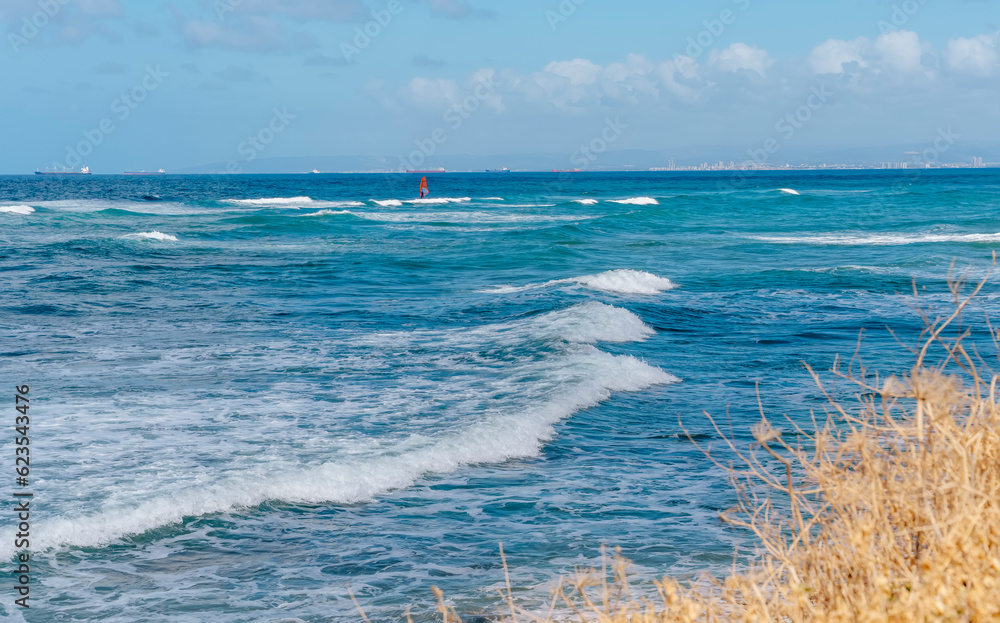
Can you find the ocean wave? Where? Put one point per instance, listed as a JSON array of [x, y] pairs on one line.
[[330, 213], [627, 281], [529, 205], [637, 201], [388, 203], [152, 235], [586, 202], [16, 209], [789, 191], [271, 201], [590, 323], [453, 217], [439, 200], [622, 281], [536, 392], [336, 204], [878, 239]]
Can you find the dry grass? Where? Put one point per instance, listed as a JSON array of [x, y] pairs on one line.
[[888, 510]]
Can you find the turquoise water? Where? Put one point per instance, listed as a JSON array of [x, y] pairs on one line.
[[248, 392]]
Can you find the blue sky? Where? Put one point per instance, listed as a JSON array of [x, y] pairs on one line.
[[485, 77]]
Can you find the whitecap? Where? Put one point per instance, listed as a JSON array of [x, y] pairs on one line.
[[789, 191], [271, 201], [622, 281], [152, 235], [626, 281], [878, 239], [388, 203], [434, 200], [573, 375], [586, 202], [329, 213], [638, 201], [17, 209]]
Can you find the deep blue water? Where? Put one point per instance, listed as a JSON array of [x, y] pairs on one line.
[[250, 390]]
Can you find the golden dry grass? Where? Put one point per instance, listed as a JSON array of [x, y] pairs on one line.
[[886, 510]]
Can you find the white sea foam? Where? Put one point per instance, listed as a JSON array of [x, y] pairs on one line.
[[622, 281], [453, 217], [17, 209], [493, 199], [271, 201], [439, 200], [590, 323], [878, 239], [329, 213], [627, 281], [789, 191], [637, 201], [336, 204], [533, 393], [586, 202], [388, 203], [152, 235]]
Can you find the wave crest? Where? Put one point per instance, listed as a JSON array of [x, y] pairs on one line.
[[152, 235], [622, 281], [637, 201], [17, 209]]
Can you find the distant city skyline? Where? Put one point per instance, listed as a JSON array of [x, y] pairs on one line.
[[118, 85]]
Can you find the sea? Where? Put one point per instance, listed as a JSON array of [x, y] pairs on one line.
[[266, 397]]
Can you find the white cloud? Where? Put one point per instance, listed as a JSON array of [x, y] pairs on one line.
[[565, 84], [831, 56], [433, 94], [630, 81], [740, 56], [900, 51], [578, 71], [582, 87], [977, 56], [680, 78]]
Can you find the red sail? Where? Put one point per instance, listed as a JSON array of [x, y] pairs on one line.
[[424, 191]]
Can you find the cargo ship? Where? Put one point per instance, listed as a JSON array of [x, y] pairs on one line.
[[160, 172], [65, 171]]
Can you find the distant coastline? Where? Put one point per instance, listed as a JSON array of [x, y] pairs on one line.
[[704, 167]]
